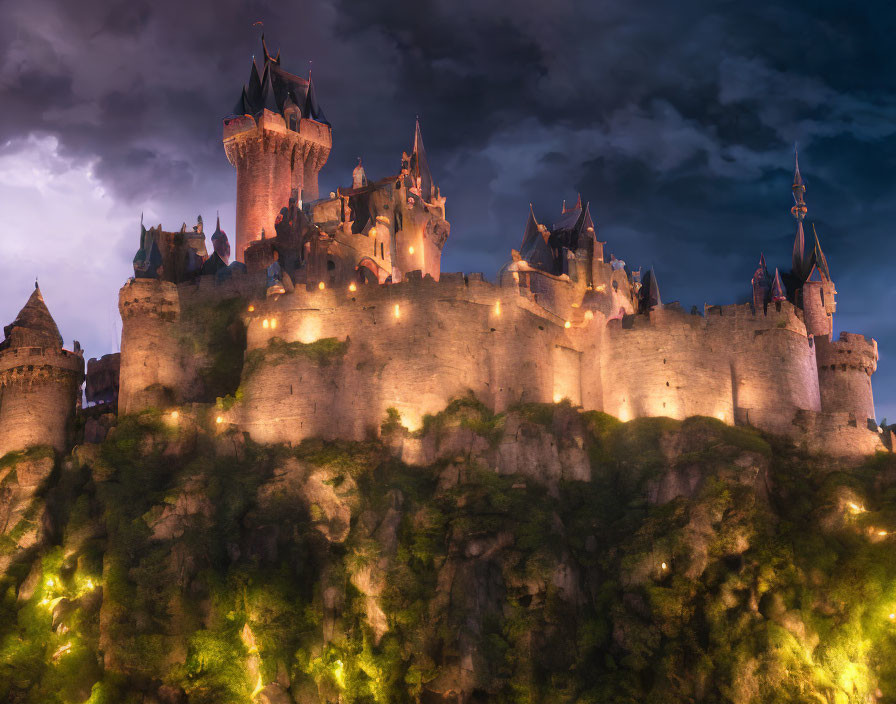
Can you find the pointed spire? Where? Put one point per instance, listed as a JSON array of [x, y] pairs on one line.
[[253, 90], [268, 97], [33, 326], [312, 109], [420, 165], [267, 55], [821, 262], [578, 205], [777, 292]]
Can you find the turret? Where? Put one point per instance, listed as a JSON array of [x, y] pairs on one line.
[[818, 295], [845, 367], [39, 380], [762, 285], [278, 139]]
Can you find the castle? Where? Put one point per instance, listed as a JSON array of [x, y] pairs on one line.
[[335, 313]]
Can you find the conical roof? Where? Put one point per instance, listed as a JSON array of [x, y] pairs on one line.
[[33, 326], [778, 294], [312, 108], [534, 250], [821, 261], [420, 165], [650, 291]]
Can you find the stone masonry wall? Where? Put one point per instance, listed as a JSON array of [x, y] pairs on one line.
[[415, 345], [845, 367], [38, 391]]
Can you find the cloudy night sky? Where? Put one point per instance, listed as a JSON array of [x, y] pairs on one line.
[[675, 120]]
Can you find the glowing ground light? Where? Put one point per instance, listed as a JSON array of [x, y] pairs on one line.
[[273, 323], [664, 566], [893, 617], [321, 286], [251, 309], [567, 325], [265, 324], [397, 311], [352, 287], [174, 415], [855, 508], [557, 398], [219, 420], [498, 308], [339, 673]]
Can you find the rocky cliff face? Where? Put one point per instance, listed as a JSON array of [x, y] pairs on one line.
[[542, 555]]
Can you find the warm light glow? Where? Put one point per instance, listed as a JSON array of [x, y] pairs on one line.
[[219, 420], [321, 286], [89, 584], [397, 311], [339, 673], [273, 323], [720, 415], [557, 398], [258, 687], [601, 288], [352, 287], [265, 323], [498, 308], [51, 582], [882, 533], [174, 415], [892, 617], [372, 232], [589, 315], [664, 566], [251, 309], [855, 508], [410, 250], [567, 325]]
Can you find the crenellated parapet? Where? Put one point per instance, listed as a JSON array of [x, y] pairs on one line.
[[845, 367], [149, 298]]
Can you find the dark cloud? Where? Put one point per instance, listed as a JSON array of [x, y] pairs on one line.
[[676, 120]]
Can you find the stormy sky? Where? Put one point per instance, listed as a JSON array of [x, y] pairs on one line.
[[675, 120]]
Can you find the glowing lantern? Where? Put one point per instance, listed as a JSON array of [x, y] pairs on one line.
[[664, 566], [410, 250], [219, 420], [567, 325], [352, 287], [273, 323], [265, 324], [321, 286], [251, 309]]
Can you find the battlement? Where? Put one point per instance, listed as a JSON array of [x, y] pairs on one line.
[[38, 363], [149, 297], [850, 351]]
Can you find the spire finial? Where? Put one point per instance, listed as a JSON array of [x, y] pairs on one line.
[[35, 282]]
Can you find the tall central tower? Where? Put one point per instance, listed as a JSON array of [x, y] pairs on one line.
[[278, 139]]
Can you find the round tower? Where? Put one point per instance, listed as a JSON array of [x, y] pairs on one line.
[[39, 381], [845, 367], [152, 369], [278, 139]]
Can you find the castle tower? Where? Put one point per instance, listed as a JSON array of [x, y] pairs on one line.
[[761, 285], [278, 139], [845, 367], [818, 295], [39, 381]]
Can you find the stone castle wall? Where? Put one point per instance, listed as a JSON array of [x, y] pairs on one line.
[[415, 345], [38, 392], [845, 367]]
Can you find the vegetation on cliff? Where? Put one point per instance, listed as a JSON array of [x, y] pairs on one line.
[[699, 563]]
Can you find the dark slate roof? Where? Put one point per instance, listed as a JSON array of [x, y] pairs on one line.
[[534, 250], [33, 326], [650, 290], [275, 89]]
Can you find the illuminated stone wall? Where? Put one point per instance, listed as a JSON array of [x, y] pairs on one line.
[[415, 345], [845, 367], [38, 392]]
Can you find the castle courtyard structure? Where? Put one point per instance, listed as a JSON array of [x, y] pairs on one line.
[[334, 313]]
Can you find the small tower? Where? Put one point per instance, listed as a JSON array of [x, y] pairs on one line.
[[818, 295], [39, 381], [762, 284], [359, 176], [278, 139]]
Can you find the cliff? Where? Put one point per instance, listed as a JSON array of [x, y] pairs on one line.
[[538, 555]]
